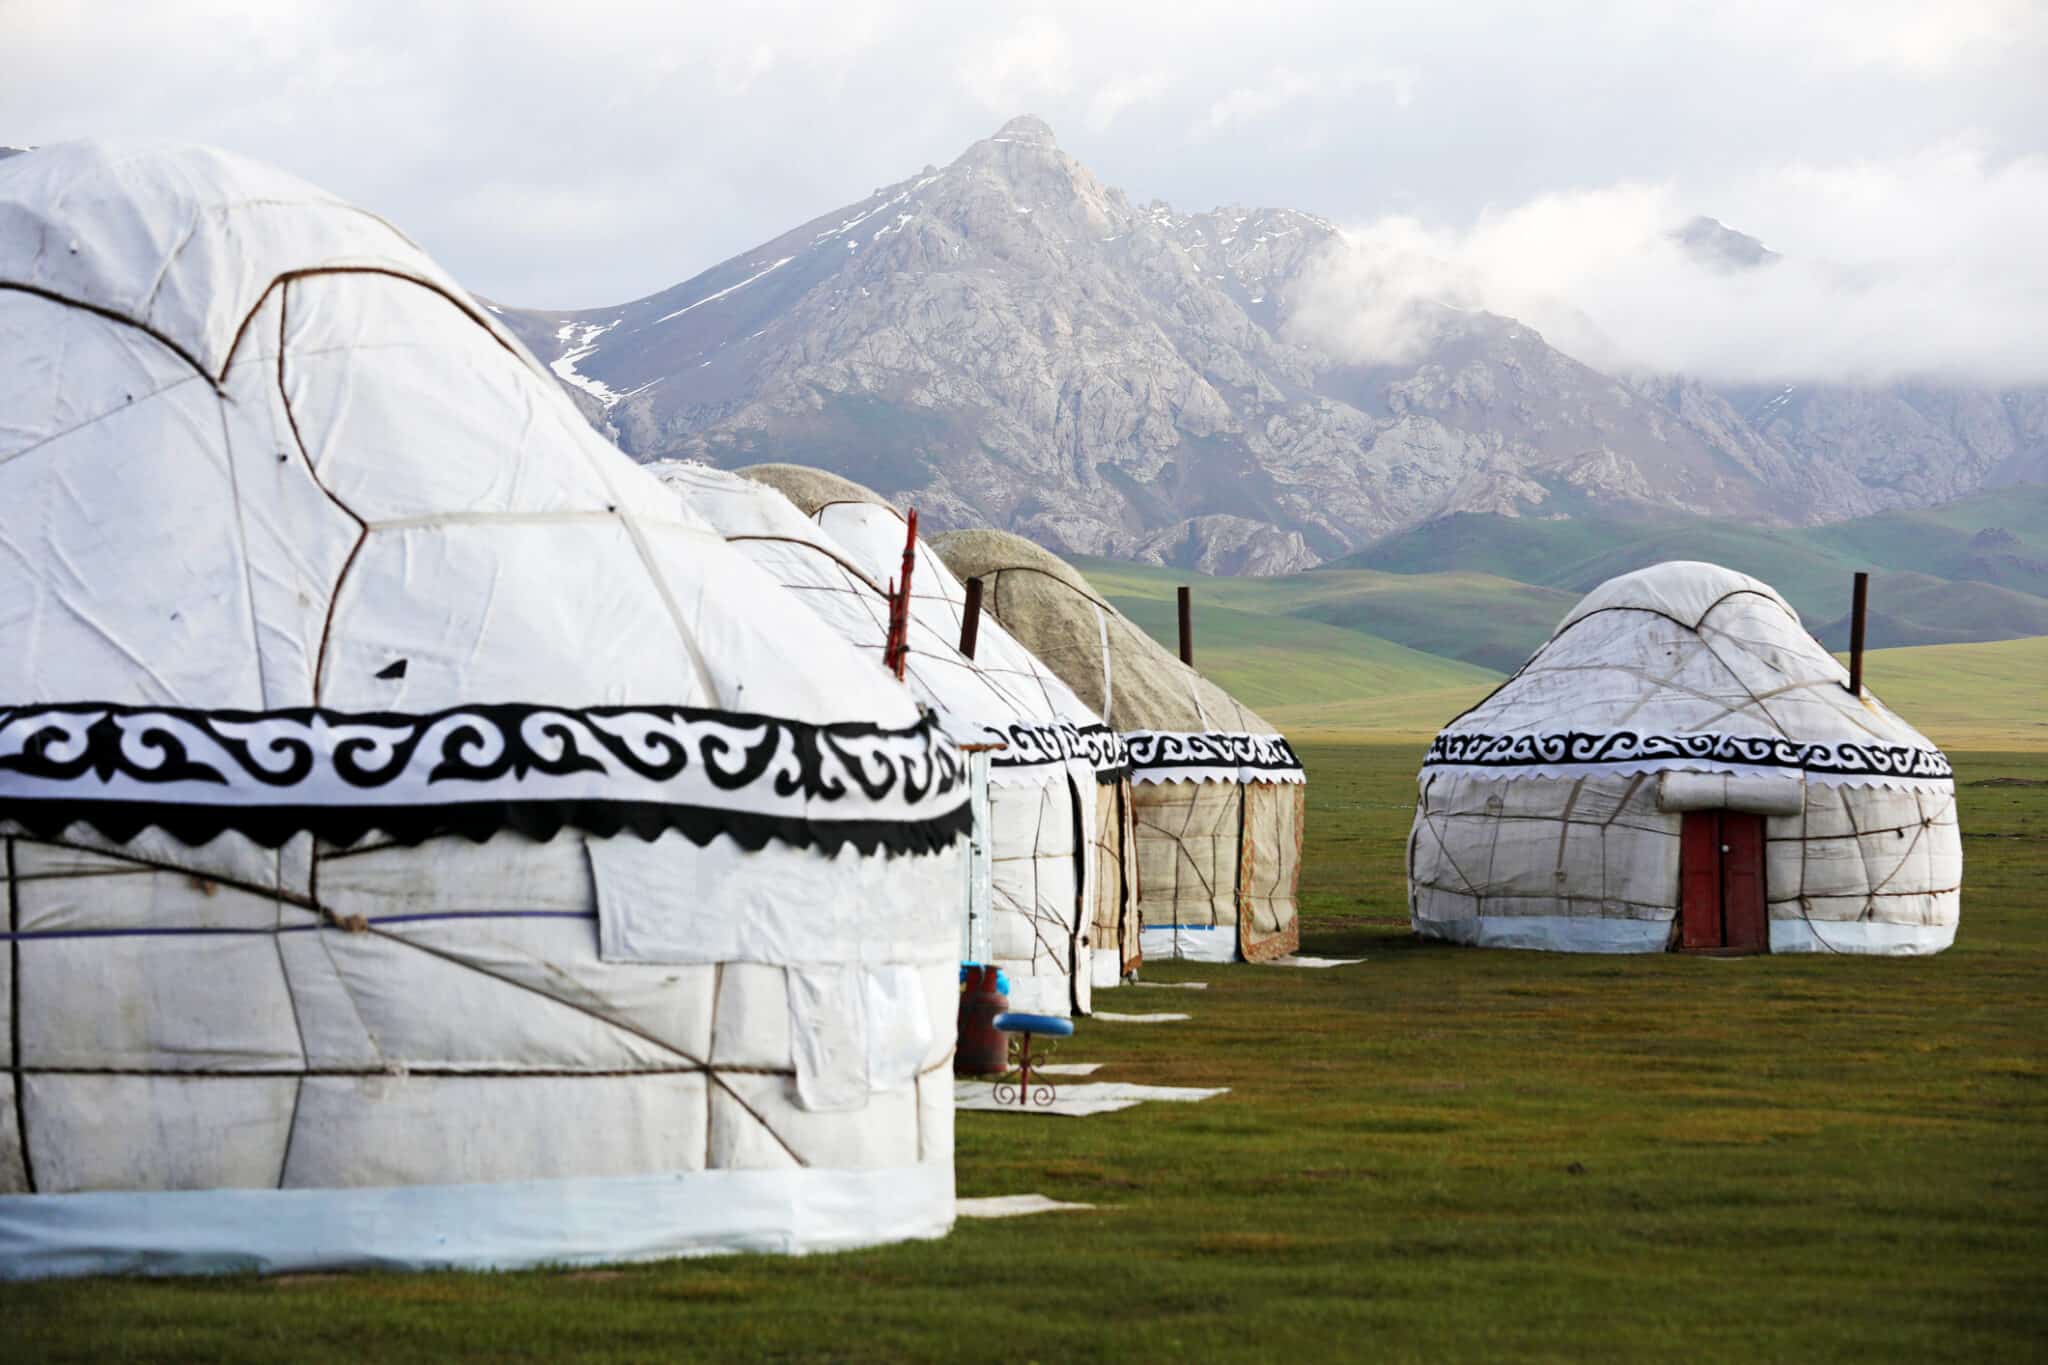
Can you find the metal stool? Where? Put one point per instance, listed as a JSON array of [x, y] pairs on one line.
[[1027, 1027]]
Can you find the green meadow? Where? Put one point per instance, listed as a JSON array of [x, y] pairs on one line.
[[1439, 1153]]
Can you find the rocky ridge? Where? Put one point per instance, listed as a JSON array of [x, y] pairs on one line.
[[1007, 341]]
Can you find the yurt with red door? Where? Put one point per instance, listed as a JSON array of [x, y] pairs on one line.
[[1682, 766]]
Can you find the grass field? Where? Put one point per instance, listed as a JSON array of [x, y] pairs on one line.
[[1439, 1154]]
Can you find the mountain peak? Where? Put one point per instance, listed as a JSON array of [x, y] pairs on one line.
[[1714, 244], [1026, 128]]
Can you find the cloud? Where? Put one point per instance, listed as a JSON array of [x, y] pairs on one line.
[[1030, 61], [1924, 267], [1284, 87], [582, 154], [1120, 93]]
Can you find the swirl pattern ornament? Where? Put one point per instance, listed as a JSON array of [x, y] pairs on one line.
[[1212, 756], [476, 770], [1848, 759], [1030, 744]]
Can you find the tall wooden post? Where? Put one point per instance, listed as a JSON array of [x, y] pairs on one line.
[[970, 623], [1187, 629], [896, 646], [1858, 606]]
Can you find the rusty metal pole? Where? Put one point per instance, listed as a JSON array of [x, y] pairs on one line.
[[970, 624], [1187, 628], [1857, 610]]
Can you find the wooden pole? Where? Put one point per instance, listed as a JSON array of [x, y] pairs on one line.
[[1187, 628], [1859, 604], [970, 624], [896, 648]]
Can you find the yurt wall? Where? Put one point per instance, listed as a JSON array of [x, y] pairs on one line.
[[1217, 799], [1683, 766], [1056, 788], [418, 850]]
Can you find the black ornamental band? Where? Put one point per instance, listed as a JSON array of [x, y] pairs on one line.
[[476, 770], [1848, 758], [1031, 743], [1211, 756]]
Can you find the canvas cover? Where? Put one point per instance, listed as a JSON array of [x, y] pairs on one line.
[[1195, 754], [1059, 767], [1550, 813], [424, 841]]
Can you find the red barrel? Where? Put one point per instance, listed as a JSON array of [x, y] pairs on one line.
[[983, 1049]]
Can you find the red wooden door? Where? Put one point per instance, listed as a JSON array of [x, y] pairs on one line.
[[1744, 927], [1721, 883], [1699, 880]]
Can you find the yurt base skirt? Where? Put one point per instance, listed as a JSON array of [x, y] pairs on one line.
[[505, 1226], [1189, 942], [1594, 934]]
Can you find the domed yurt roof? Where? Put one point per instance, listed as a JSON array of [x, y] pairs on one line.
[[1687, 665], [1181, 726], [408, 791], [1001, 696]]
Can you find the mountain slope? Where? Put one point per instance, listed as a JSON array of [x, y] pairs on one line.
[[1008, 341]]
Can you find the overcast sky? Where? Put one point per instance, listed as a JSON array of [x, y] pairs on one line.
[[585, 152]]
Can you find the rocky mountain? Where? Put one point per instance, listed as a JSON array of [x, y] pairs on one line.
[[1008, 341]]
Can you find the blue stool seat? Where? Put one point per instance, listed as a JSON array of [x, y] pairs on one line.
[[1047, 1024]]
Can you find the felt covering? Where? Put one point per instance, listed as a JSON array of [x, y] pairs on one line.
[[399, 787], [1216, 833], [1551, 812]]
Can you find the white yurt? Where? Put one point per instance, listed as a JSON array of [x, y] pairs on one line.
[[1053, 879], [1218, 796], [1681, 766], [425, 843]]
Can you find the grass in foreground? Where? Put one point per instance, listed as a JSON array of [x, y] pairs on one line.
[[1442, 1153]]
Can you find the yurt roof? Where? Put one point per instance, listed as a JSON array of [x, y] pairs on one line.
[[1000, 699], [367, 567], [1686, 666], [1181, 725], [1007, 692], [1685, 590], [183, 241], [811, 489]]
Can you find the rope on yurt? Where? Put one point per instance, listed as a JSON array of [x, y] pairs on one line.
[[1102, 629], [28, 1170]]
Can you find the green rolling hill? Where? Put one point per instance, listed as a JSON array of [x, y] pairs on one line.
[[1972, 570], [1355, 649], [1982, 696], [1473, 618]]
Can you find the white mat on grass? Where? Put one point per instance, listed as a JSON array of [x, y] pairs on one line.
[[1011, 1206], [1077, 1101], [1315, 962], [1139, 1018], [1173, 985]]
